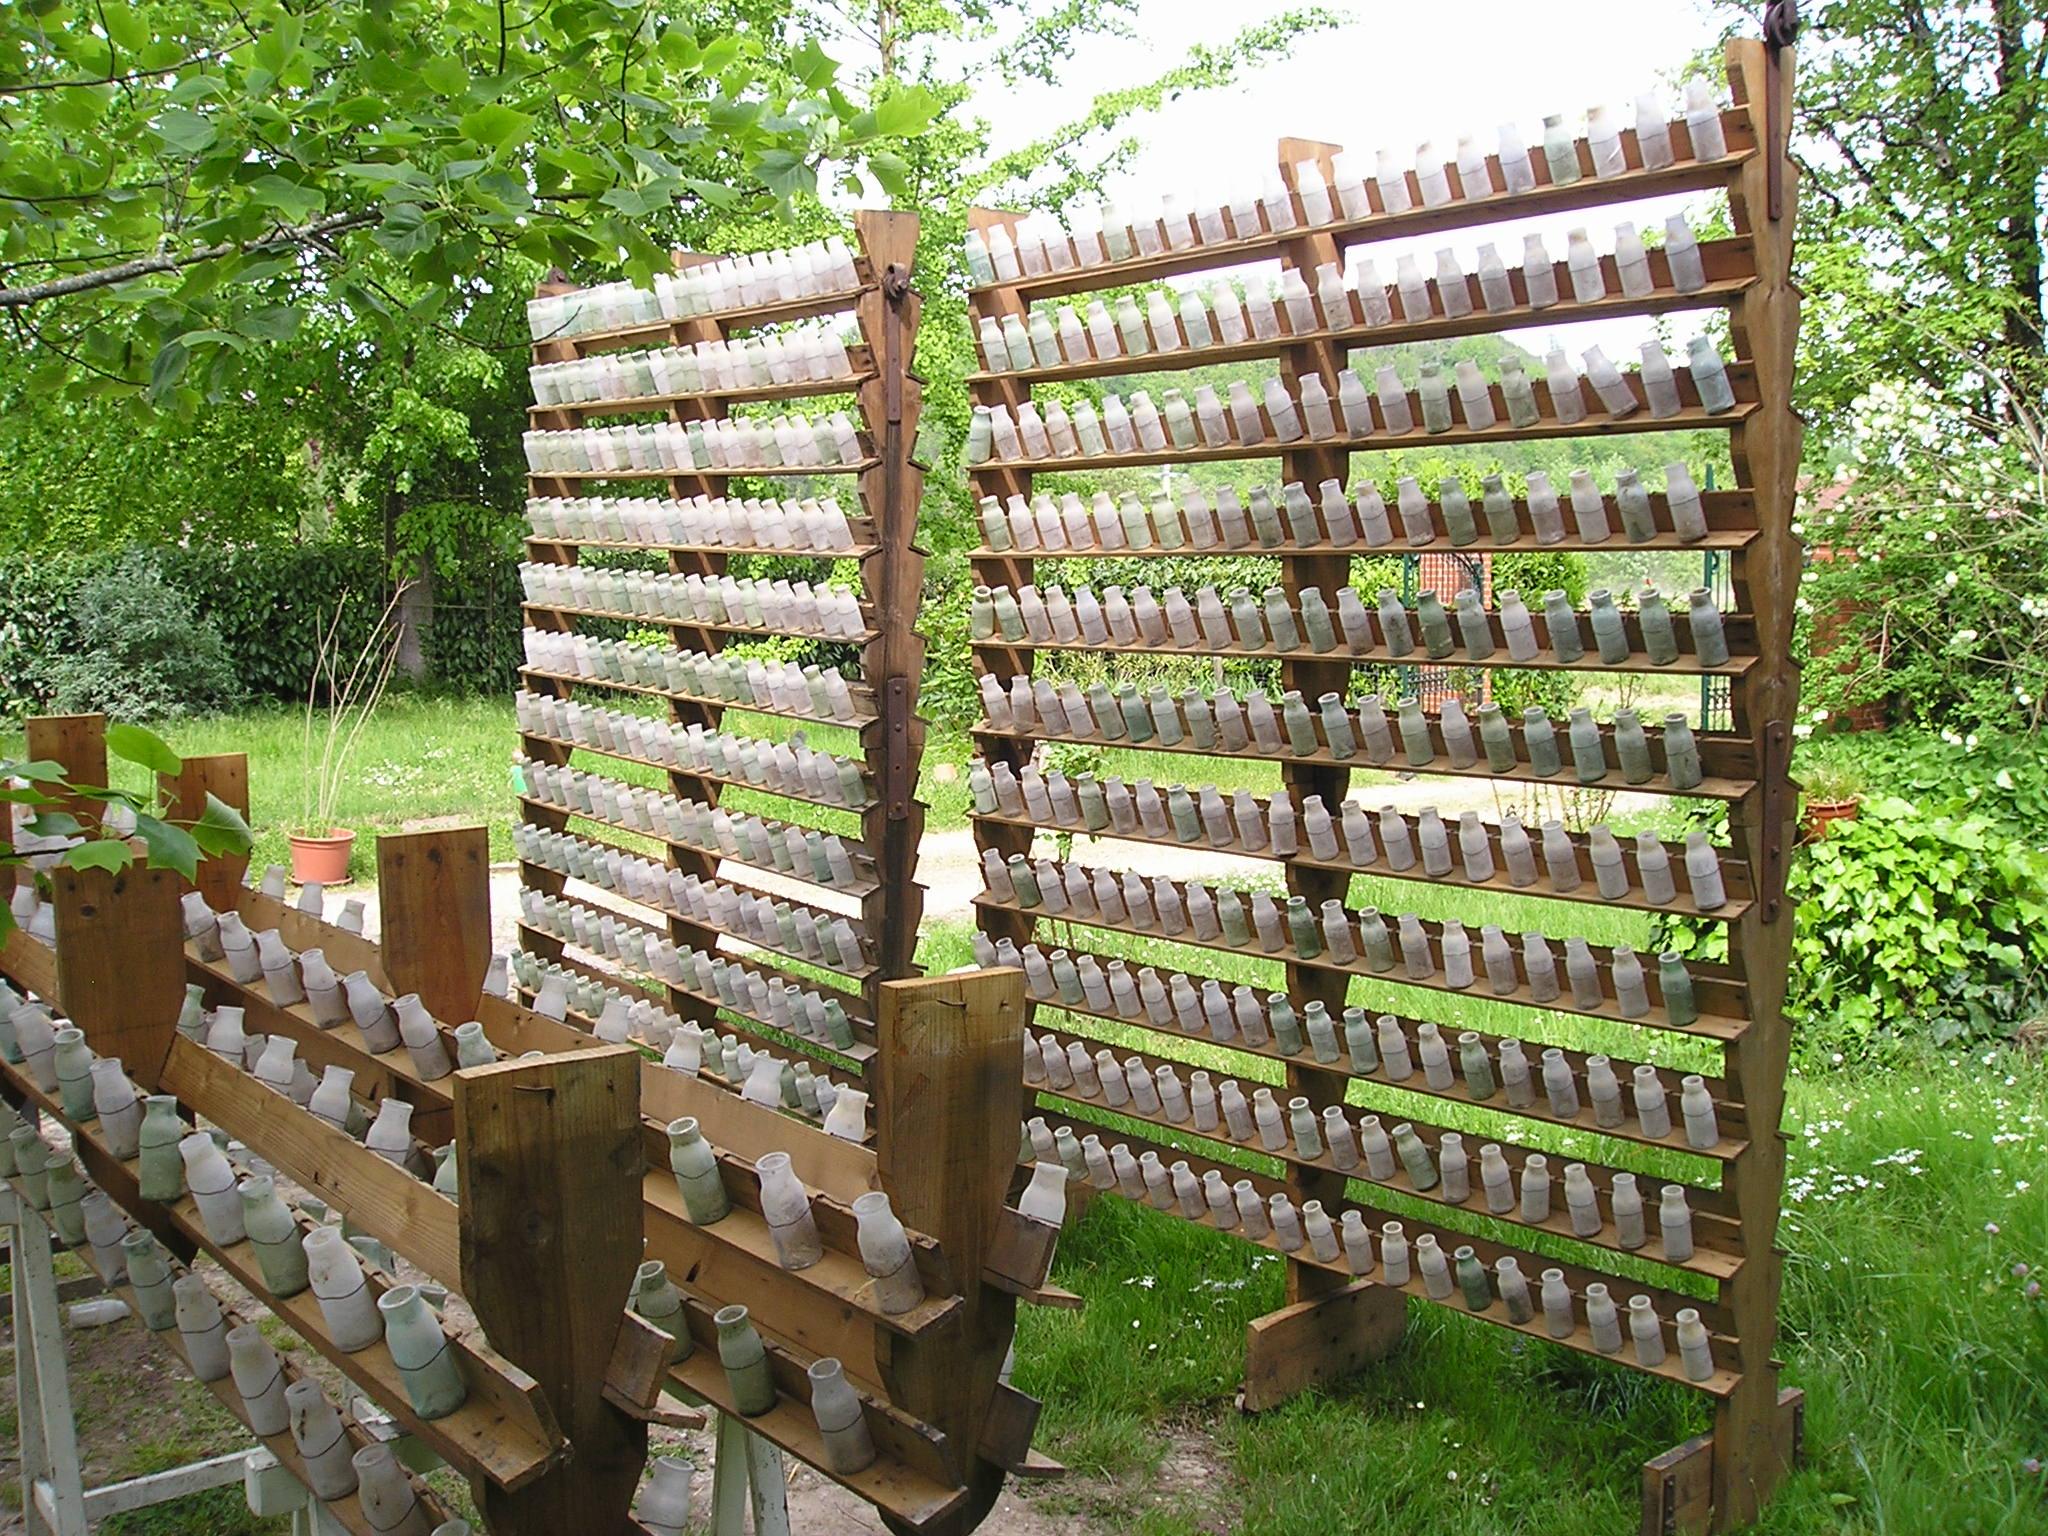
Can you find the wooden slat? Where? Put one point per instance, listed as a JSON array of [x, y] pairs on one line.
[[418, 1222], [120, 941], [1735, 876], [548, 1154], [434, 892]]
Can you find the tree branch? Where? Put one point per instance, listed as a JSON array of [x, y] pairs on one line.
[[128, 271]]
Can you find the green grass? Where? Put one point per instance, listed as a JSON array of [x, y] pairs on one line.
[[428, 757], [1925, 1367]]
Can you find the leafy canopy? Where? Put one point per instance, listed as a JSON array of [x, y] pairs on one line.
[[180, 180]]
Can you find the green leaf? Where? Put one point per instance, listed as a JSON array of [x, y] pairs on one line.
[[906, 111], [495, 124], [893, 172], [41, 770], [54, 824], [185, 132], [170, 847], [220, 829], [108, 853], [296, 203], [137, 744]]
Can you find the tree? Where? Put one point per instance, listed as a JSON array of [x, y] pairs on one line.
[[183, 181], [1922, 133]]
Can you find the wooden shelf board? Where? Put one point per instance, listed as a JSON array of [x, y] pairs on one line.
[[859, 718], [1734, 874], [1709, 788], [795, 389]]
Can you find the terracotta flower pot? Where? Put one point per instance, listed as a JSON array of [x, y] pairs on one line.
[[1820, 812], [322, 859]]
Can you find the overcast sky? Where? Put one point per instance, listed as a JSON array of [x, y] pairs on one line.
[[1400, 74]]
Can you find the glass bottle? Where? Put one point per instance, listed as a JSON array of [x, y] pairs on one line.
[[426, 1365], [745, 1360]]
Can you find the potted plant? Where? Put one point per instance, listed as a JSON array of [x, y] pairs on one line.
[[338, 706], [1833, 791]]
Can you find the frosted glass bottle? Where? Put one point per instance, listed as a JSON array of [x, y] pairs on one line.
[[1632, 262], [886, 1254], [346, 1305], [1710, 376], [1660, 386], [1633, 503], [324, 1446], [274, 1235], [212, 1183], [1703, 121], [1614, 391], [1682, 251], [1520, 396], [422, 1352], [201, 1328], [259, 1380], [1560, 151], [388, 1502], [1653, 133], [842, 1423], [115, 1103], [149, 1277], [73, 1062], [1647, 1330]]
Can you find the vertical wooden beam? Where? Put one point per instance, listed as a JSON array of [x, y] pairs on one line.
[[550, 1166], [225, 776], [1752, 1450], [79, 743], [434, 892], [949, 1097], [121, 962], [1332, 1326], [891, 404]]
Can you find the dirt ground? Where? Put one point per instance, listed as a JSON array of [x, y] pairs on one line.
[[139, 1411]]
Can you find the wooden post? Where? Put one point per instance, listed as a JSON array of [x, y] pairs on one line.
[[1753, 1446], [225, 776], [949, 1096], [891, 403], [1309, 1342], [550, 1165], [434, 890], [121, 962], [79, 743]]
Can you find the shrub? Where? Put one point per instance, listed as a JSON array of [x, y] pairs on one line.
[[143, 651], [1913, 927]]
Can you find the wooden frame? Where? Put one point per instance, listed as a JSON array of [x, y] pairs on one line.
[[886, 903], [1335, 1323], [562, 1165]]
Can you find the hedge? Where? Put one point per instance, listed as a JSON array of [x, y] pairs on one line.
[[269, 603]]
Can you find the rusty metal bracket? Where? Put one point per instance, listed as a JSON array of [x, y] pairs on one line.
[[1776, 780], [1781, 27], [899, 781]]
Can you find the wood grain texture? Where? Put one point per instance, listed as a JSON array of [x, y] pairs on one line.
[[225, 776], [121, 962], [79, 744], [435, 894], [950, 1097], [550, 1167]]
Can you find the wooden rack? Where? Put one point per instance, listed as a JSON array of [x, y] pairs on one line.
[[884, 734], [564, 1187], [1335, 1322]]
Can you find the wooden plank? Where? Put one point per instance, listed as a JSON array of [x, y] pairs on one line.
[[950, 1092], [1006, 1432], [224, 775], [32, 966], [1020, 1251], [1317, 1341], [503, 1432], [417, 1221], [79, 744], [121, 962], [1750, 1457], [434, 891], [550, 1167]]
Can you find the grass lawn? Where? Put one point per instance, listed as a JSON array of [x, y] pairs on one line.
[[428, 757], [1925, 1366], [1913, 1195]]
